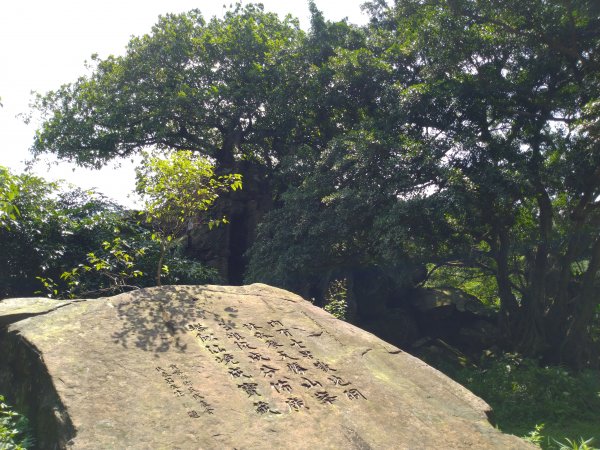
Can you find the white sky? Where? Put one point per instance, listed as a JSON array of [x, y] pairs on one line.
[[44, 43]]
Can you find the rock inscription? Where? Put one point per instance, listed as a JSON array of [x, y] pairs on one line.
[[224, 367], [186, 387], [271, 369]]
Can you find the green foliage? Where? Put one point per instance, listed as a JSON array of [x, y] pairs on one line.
[[182, 270], [9, 190], [573, 444], [48, 233], [535, 436], [72, 243], [14, 429], [486, 112], [340, 218], [177, 191], [112, 271], [218, 87], [336, 299], [472, 280], [127, 262], [524, 394]]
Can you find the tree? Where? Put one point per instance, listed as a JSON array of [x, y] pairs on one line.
[[249, 90], [176, 192], [71, 243], [53, 230], [494, 100], [339, 216], [217, 87], [475, 143], [230, 89]]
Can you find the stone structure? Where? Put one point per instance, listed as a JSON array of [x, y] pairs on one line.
[[210, 367]]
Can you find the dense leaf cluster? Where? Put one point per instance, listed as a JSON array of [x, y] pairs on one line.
[[15, 433], [176, 191]]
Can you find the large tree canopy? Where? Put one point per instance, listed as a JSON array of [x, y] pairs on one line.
[[499, 103], [218, 87], [250, 90], [504, 87], [477, 144], [444, 131]]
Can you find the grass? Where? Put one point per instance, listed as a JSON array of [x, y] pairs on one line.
[[563, 404]]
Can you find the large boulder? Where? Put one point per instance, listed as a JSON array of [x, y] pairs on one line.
[[213, 367]]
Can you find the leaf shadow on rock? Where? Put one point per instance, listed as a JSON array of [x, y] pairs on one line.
[[154, 319]]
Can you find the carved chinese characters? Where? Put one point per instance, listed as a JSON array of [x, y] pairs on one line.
[[182, 386], [271, 363]]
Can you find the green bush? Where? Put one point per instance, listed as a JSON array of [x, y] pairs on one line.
[[125, 261], [14, 429], [524, 394], [336, 299]]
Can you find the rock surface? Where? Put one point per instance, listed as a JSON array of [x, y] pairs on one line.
[[213, 367]]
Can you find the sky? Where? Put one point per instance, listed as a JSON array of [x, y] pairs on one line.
[[44, 44]]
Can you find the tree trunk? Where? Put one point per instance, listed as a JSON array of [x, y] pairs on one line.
[[532, 333], [539, 273], [225, 157], [560, 310], [161, 258], [576, 347], [508, 303], [225, 247]]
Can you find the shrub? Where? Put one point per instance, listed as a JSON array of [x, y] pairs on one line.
[[14, 429], [336, 299], [523, 394]]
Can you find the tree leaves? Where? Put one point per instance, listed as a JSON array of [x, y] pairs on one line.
[[207, 86], [177, 191]]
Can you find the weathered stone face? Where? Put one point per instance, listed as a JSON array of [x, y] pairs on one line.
[[214, 367]]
